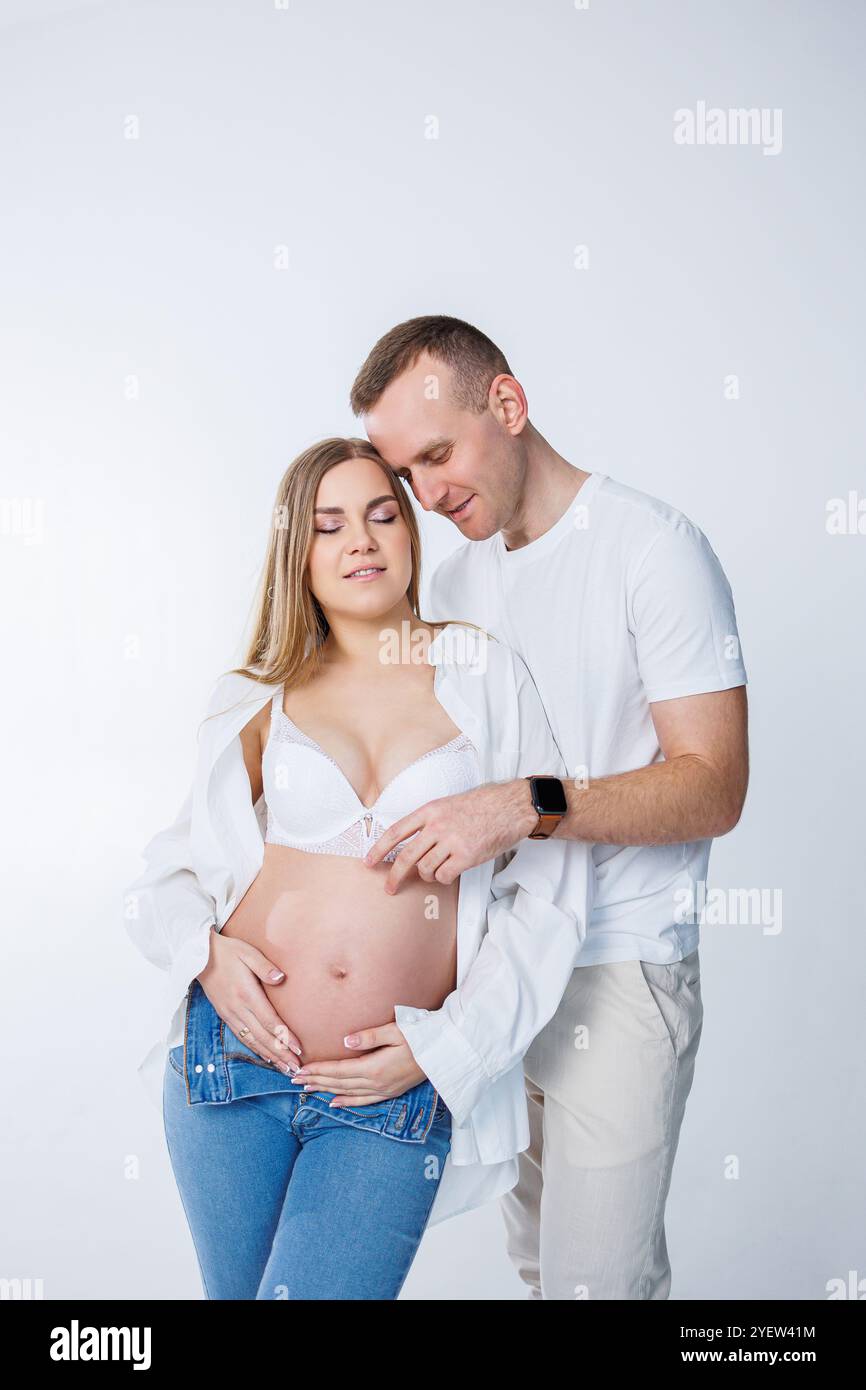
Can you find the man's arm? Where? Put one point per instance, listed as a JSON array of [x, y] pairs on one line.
[[697, 793]]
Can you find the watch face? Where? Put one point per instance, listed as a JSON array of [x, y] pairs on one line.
[[549, 796]]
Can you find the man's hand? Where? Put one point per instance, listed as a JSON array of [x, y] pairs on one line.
[[386, 1071], [455, 833]]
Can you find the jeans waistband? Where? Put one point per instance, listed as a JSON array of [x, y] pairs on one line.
[[217, 1068]]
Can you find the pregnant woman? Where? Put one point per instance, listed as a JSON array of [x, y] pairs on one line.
[[349, 714]]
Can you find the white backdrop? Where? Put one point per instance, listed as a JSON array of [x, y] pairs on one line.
[[209, 213]]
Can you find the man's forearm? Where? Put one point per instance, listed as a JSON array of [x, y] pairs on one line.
[[663, 804], [666, 803]]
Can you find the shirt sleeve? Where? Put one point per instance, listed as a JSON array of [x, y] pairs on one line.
[[539, 906], [168, 915], [682, 618]]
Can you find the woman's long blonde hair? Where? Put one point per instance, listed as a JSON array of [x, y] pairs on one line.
[[289, 626]]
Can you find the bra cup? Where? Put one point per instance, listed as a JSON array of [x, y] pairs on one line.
[[444, 773], [311, 803], [305, 794]]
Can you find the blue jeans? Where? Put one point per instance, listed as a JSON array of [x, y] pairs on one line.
[[284, 1197]]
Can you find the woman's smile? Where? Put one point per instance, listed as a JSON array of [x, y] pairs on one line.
[[365, 572]]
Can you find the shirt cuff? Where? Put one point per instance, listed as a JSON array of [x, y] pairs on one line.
[[445, 1057]]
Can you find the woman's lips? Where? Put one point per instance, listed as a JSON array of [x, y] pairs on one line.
[[365, 578]]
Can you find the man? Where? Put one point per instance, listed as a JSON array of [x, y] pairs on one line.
[[624, 617]]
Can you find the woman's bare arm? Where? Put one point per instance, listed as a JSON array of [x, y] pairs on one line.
[[253, 739]]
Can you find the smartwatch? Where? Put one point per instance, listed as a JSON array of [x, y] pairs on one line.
[[549, 800]]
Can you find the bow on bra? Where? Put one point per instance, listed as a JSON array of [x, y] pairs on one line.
[[313, 806]]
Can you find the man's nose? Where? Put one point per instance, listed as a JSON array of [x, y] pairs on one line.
[[429, 493]]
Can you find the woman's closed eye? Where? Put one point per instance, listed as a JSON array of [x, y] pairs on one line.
[[329, 530]]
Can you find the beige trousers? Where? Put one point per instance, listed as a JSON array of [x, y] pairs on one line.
[[606, 1083]]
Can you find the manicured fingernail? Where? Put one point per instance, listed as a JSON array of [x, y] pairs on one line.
[[335, 1105], [295, 1049], [351, 1040], [277, 975]]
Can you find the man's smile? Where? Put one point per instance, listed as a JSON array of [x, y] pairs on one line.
[[460, 510]]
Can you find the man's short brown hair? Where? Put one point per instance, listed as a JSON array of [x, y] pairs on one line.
[[474, 360]]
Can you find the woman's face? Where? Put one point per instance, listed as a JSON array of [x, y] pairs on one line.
[[358, 526]]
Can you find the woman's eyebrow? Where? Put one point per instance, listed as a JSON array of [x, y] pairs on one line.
[[340, 511]]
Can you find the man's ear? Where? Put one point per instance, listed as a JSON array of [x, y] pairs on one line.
[[507, 401]]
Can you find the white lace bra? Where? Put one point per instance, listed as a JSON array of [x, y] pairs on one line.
[[312, 805]]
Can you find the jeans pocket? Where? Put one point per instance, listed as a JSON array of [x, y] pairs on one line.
[[413, 1114], [175, 1058], [407, 1117], [441, 1112]]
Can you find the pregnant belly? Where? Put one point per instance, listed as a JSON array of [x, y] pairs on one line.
[[350, 951]]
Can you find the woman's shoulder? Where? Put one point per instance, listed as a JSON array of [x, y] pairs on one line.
[[458, 643], [468, 648], [236, 687]]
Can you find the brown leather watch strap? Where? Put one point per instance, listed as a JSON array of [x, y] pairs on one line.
[[546, 826]]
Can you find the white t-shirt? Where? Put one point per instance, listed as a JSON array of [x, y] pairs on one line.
[[620, 603]]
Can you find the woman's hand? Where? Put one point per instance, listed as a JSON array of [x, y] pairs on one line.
[[231, 982], [388, 1070]]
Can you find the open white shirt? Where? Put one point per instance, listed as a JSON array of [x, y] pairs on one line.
[[521, 919]]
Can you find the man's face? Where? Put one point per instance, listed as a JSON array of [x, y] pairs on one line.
[[466, 467]]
